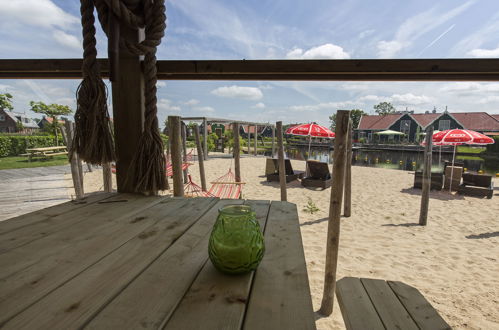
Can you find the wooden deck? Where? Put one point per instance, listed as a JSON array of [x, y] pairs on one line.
[[117, 261], [26, 190]]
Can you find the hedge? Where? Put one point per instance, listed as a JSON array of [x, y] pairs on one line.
[[14, 145]]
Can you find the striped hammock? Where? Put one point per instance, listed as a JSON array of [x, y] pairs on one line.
[[226, 187], [191, 189]]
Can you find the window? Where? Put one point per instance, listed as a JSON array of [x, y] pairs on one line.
[[2, 117], [405, 126], [443, 125]]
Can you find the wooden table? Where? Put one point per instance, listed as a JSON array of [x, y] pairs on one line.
[[45, 152], [377, 304], [122, 261]]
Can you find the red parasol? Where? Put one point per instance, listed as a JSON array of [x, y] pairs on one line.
[[310, 130]]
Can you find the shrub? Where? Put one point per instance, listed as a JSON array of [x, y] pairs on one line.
[[14, 145]]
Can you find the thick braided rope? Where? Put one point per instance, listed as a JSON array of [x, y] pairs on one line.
[[92, 139], [148, 168]]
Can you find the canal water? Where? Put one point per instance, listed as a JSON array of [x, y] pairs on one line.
[[401, 160]]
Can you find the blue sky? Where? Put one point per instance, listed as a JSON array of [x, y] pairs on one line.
[[277, 29]]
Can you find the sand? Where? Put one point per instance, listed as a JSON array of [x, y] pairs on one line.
[[453, 261]]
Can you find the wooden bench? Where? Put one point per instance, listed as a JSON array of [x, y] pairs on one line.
[[477, 185], [378, 304]]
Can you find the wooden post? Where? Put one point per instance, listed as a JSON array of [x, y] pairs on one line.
[[237, 164], [75, 174], [347, 210], [205, 137], [282, 166], [175, 136], [273, 144], [425, 195], [333, 228], [256, 140], [168, 159], [128, 108], [200, 157], [184, 148], [107, 177], [249, 140]]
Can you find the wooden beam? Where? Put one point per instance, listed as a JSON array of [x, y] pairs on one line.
[[347, 210], [256, 140], [333, 228], [184, 147], [282, 166], [128, 110], [175, 136], [273, 142], [249, 140], [237, 152], [320, 70], [205, 139], [107, 177], [200, 157], [75, 173], [425, 195]]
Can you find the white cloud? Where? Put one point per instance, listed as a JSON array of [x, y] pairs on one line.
[[324, 51], [259, 105], [470, 88], [160, 83], [240, 92], [191, 102], [66, 39], [41, 13], [416, 26], [366, 33], [204, 109], [323, 106], [479, 52], [166, 105], [404, 99]]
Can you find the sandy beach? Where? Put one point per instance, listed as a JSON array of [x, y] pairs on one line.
[[453, 261]]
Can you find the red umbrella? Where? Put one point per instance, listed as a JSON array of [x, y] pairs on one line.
[[457, 137], [310, 130]]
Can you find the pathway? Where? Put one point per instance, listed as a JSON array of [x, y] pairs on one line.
[[26, 190]]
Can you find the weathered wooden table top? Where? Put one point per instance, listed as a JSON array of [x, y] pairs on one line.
[[122, 261]]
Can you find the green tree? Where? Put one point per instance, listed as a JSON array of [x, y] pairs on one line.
[[355, 115], [6, 102], [53, 111], [384, 108]]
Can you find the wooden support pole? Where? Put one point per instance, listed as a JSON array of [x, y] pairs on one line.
[[333, 228], [425, 195], [237, 148], [205, 137], [175, 136], [184, 148], [75, 173], [256, 140], [168, 159], [249, 140], [273, 142], [347, 210], [282, 166], [107, 177], [200, 157], [128, 108]]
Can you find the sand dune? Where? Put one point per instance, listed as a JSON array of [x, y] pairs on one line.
[[453, 261]]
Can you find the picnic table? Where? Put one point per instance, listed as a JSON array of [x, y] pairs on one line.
[[125, 261], [45, 152]]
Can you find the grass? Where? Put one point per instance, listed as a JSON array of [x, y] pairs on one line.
[[22, 162], [470, 150]]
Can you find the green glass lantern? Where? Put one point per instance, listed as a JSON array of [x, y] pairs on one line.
[[236, 242]]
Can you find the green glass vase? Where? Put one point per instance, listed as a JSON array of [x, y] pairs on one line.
[[236, 241]]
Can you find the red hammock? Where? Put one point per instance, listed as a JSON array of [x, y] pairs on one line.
[[226, 187], [193, 190]]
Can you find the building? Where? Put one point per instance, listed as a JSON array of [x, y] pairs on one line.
[[413, 124], [48, 121], [15, 122]]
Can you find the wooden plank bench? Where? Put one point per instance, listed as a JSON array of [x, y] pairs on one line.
[[378, 304]]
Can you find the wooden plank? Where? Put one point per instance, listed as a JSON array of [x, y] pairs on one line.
[[76, 301], [347, 207], [387, 305], [22, 221], [176, 149], [200, 157], [356, 308], [217, 300], [280, 156], [34, 270], [237, 153], [146, 304], [280, 297], [354, 69], [421, 311], [426, 185]]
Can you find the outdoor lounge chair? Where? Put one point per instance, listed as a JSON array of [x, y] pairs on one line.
[[319, 175], [478, 185], [437, 180], [272, 170]]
